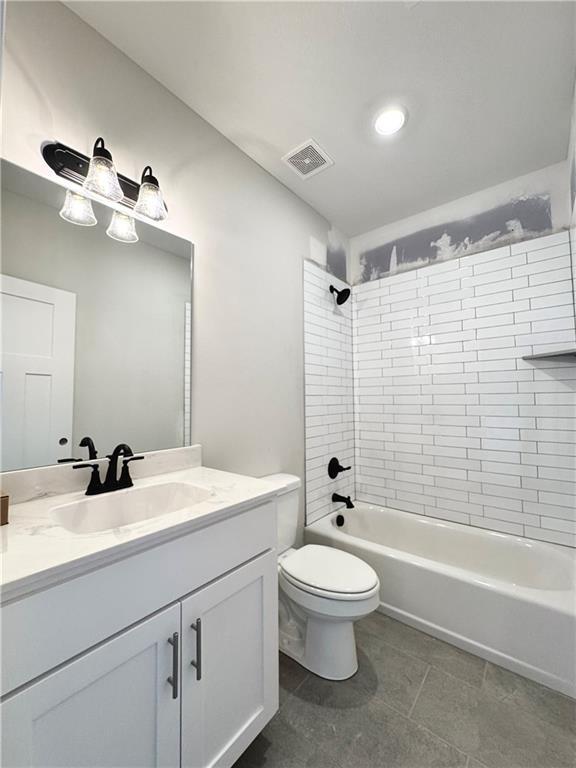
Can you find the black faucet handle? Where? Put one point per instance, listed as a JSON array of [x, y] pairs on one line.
[[125, 479], [128, 459], [95, 484], [334, 468]]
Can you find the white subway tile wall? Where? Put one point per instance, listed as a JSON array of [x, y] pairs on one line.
[[329, 399], [450, 421]]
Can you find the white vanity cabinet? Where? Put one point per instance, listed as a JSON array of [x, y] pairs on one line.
[[111, 707], [229, 663], [189, 682]]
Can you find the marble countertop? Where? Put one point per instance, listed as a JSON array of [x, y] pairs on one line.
[[37, 553]]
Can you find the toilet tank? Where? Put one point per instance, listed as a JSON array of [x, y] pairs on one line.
[[288, 487]]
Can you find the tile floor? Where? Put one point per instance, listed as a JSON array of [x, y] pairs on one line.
[[415, 702]]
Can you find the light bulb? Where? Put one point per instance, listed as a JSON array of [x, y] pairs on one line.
[[390, 121], [122, 228], [102, 177], [150, 202], [78, 210]]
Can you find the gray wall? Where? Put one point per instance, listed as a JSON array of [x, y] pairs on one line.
[[250, 233], [130, 305], [520, 209]]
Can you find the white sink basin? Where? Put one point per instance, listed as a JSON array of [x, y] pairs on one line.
[[113, 510]]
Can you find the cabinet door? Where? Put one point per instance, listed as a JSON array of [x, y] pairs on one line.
[[229, 663], [112, 707]]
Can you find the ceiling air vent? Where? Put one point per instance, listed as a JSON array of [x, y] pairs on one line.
[[308, 159]]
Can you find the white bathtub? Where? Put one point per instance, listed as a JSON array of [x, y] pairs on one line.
[[508, 599]]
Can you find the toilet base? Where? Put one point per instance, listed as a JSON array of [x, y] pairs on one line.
[[326, 648], [319, 633]]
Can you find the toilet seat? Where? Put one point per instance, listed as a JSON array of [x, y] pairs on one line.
[[330, 606], [329, 573], [343, 596]]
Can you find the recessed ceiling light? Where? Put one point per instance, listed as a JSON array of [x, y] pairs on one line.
[[390, 121]]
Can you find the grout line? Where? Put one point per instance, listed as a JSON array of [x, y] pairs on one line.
[[419, 691], [431, 664], [293, 691], [423, 727], [452, 676], [301, 683], [437, 736]]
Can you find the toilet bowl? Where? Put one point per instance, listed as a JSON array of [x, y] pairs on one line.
[[322, 592]]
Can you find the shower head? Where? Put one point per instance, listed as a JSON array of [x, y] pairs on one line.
[[341, 296]]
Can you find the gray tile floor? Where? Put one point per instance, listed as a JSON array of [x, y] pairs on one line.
[[415, 702]]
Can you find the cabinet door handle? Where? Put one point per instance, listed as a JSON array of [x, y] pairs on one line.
[[173, 679], [197, 627]]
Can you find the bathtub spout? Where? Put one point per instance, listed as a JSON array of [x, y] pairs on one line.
[[345, 499]]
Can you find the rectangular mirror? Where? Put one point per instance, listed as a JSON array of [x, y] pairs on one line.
[[95, 332]]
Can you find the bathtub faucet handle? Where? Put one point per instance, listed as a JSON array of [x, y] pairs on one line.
[[334, 468]]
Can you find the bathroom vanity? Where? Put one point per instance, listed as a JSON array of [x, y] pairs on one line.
[[150, 644], [140, 625]]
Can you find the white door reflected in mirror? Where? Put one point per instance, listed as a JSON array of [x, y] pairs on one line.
[[38, 330]]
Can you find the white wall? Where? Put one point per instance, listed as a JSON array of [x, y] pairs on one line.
[[329, 391], [63, 81], [571, 164], [451, 422]]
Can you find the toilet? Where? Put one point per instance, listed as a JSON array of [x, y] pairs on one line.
[[322, 592]]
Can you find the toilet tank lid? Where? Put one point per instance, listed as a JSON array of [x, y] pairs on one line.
[[283, 482]]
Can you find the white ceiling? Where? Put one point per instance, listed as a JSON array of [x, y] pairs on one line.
[[487, 86]]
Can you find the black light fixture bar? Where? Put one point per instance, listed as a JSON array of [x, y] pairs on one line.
[[73, 165]]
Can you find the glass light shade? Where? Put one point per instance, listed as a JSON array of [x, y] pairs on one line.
[[150, 202], [122, 228], [78, 210], [102, 179], [390, 121]]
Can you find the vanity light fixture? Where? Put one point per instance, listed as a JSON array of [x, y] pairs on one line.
[[122, 228], [79, 169], [150, 202], [102, 177], [77, 209], [390, 121]]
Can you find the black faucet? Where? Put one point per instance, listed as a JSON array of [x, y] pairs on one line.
[[86, 442], [334, 468], [336, 498], [111, 482]]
